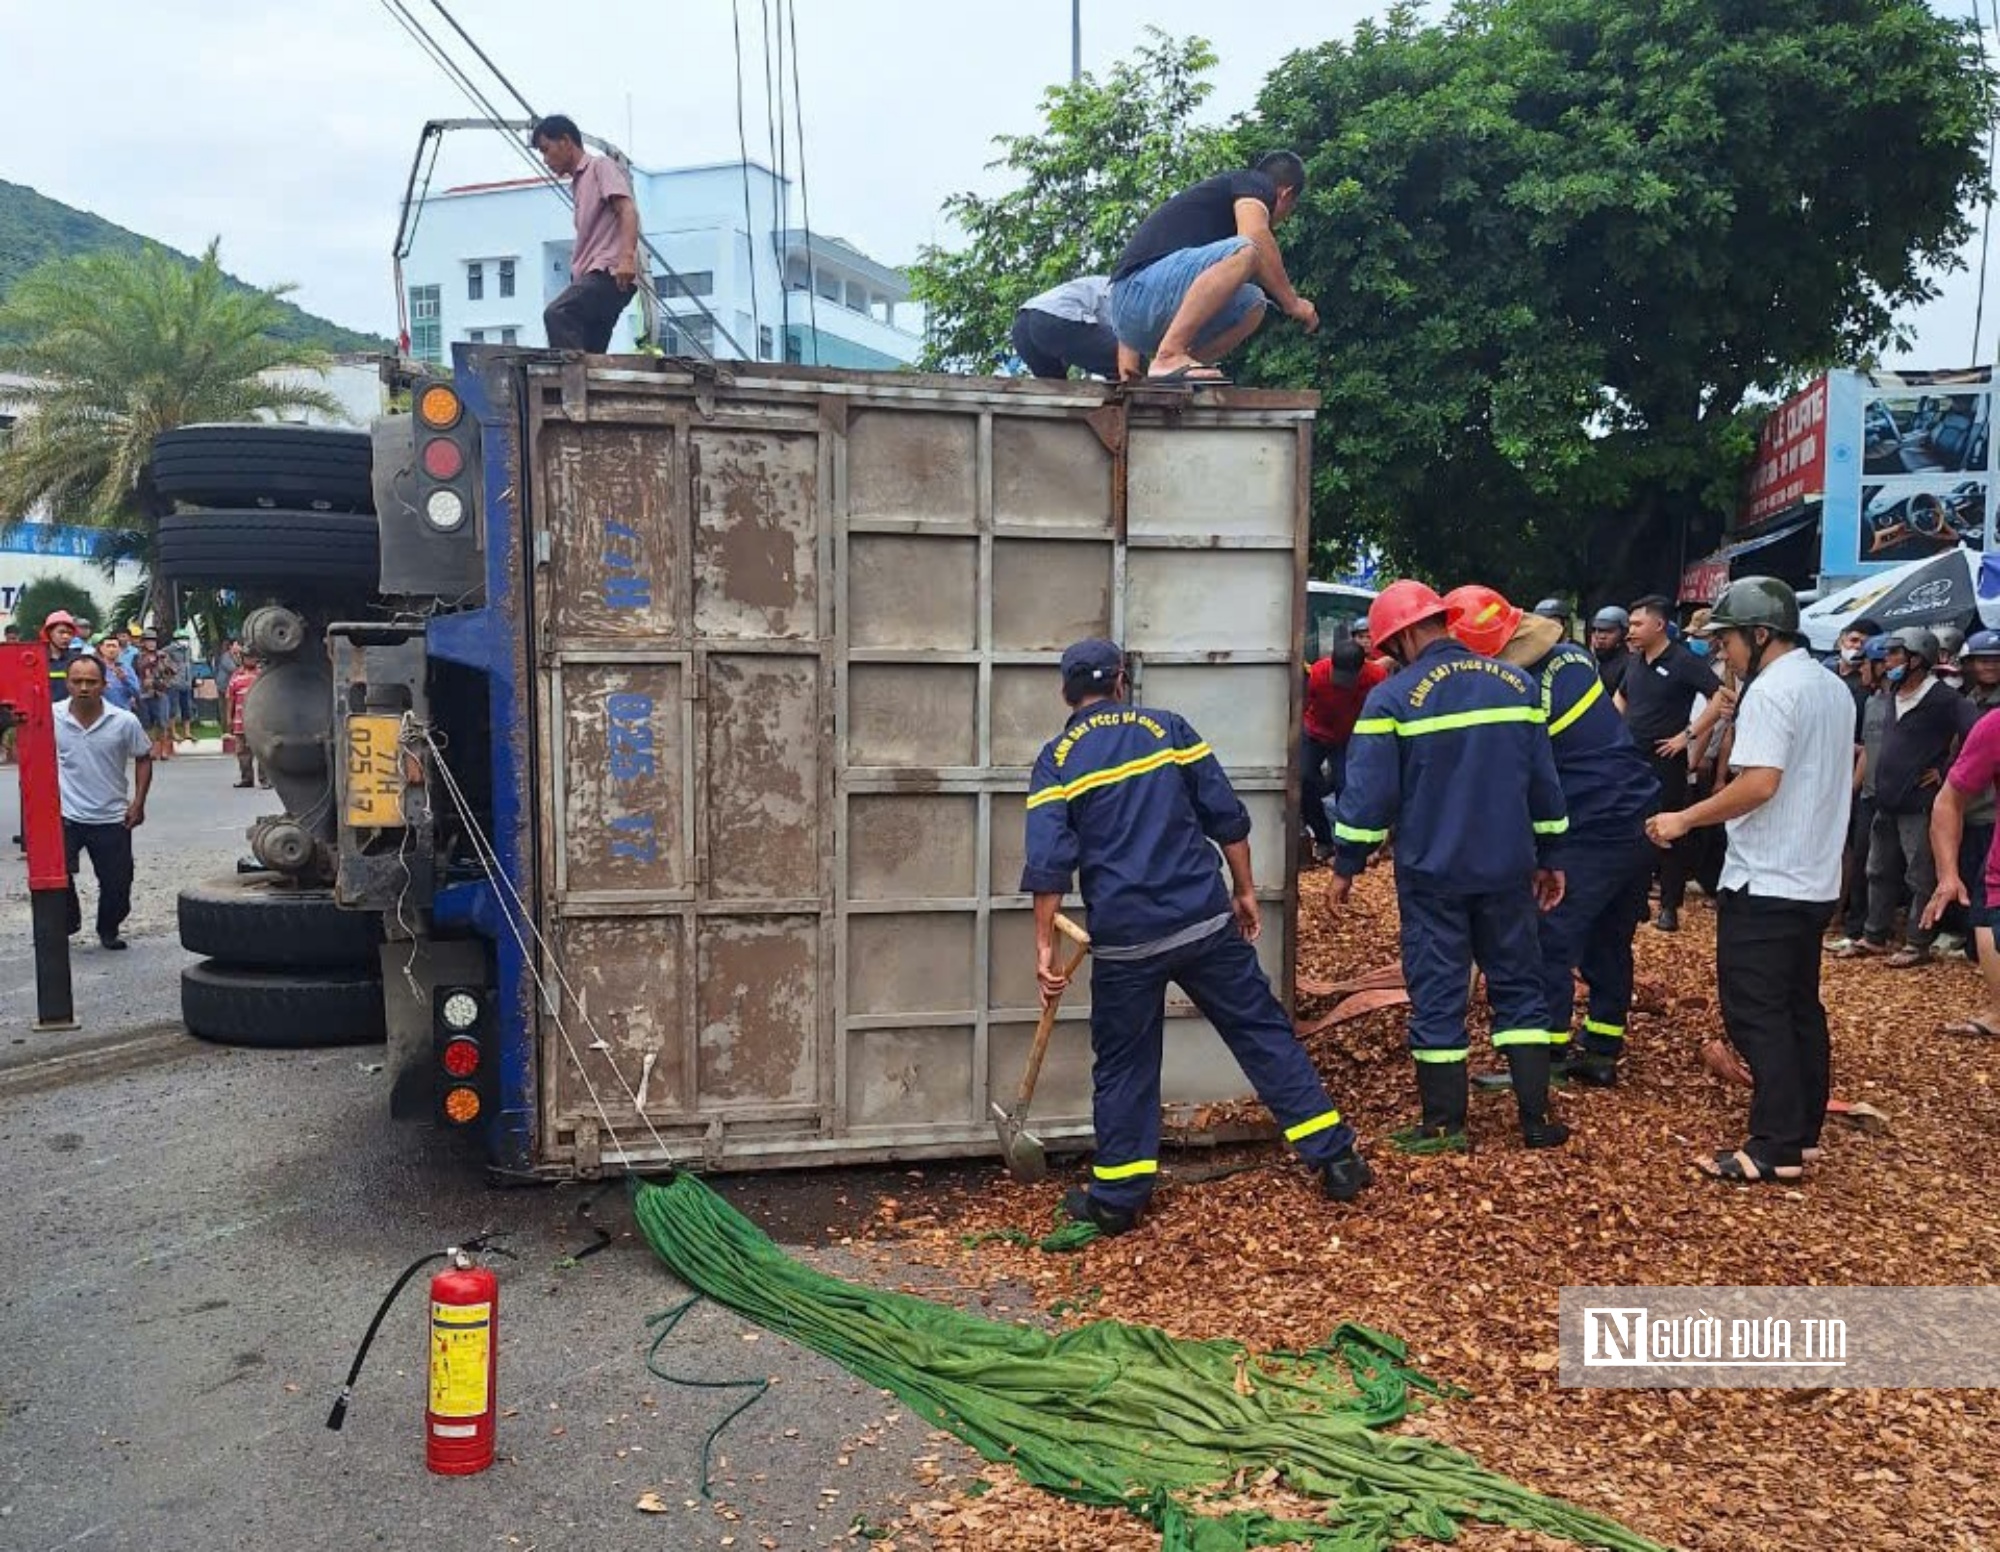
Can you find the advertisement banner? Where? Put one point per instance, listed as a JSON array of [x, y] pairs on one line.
[[1910, 469], [1791, 458], [1703, 579]]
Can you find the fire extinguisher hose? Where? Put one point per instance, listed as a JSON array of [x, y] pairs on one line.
[[479, 1242]]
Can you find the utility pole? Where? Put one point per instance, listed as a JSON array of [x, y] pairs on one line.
[[1075, 41]]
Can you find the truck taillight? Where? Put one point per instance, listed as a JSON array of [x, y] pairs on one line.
[[459, 1021], [447, 457]]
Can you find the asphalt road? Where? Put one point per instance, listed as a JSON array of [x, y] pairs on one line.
[[196, 1238]]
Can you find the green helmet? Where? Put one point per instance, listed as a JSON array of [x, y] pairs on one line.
[[1750, 601]]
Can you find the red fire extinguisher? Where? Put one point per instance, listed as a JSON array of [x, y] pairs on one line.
[[464, 1365], [465, 1359]]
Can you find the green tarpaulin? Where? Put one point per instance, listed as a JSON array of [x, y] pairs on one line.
[[1112, 1414]]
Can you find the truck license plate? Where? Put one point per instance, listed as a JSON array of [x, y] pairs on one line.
[[374, 772]]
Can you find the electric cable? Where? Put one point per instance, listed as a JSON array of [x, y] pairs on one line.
[[805, 191], [779, 215], [743, 152]]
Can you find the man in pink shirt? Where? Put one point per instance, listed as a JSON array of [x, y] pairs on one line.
[[1975, 771], [604, 264]]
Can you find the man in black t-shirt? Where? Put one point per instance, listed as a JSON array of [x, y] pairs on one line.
[[1657, 697], [1193, 282]]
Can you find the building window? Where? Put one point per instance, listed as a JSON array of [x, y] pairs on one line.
[[475, 336], [686, 336], [510, 336], [765, 343], [795, 351], [426, 338], [506, 277], [475, 282], [694, 282]]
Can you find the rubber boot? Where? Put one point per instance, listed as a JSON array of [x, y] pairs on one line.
[[1441, 1128], [1530, 1066]]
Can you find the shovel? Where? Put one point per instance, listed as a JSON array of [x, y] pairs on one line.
[[1021, 1148]]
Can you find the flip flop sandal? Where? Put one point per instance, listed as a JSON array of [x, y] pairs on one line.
[[1739, 1169], [1187, 377], [1907, 958], [1971, 1029], [1859, 948]]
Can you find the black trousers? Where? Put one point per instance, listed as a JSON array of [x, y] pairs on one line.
[[1315, 785], [1854, 867], [110, 849], [1767, 959], [1676, 859], [583, 316], [1051, 346]]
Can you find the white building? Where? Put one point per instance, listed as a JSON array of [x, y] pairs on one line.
[[488, 257]]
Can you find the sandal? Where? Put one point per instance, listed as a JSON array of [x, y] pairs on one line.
[[1740, 1169], [1908, 958], [1974, 1028], [1857, 948]]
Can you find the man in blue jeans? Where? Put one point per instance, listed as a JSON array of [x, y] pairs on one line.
[[1131, 798], [1194, 281]]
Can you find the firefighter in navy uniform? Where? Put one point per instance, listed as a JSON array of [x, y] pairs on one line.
[[1453, 754], [1132, 798], [1609, 790]]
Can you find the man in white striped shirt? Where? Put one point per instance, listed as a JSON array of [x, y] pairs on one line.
[[1794, 760]]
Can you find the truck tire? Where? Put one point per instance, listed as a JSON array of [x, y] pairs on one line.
[[256, 921], [258, 546], [322, 468], [276, 1011]]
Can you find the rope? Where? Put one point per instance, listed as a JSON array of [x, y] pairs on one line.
[[515, 910], [667, 1321]]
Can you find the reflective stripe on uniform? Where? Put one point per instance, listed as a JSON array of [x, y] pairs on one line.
[[1552, 826], [1450, 721], [1125, 1171], [1345, 832], [1375, 725], [1593, 1026], [1559, 1037], [1582, 705], [1318, 1123], [1520, 1037], [1456, 1054], [1112, 774]]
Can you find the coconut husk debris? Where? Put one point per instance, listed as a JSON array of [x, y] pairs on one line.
[[1464, 1257]]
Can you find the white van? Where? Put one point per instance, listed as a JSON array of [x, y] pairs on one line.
[[1333, 609]]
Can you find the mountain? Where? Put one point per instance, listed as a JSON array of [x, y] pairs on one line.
[[35, 228]]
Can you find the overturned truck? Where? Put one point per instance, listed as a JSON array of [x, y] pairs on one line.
[[677, 760]]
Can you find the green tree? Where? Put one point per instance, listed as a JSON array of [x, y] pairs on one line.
[[1561, 248], [1109, 152], [43, 596], [118, 347]]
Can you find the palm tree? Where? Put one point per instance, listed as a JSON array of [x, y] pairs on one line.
[[117, 347]]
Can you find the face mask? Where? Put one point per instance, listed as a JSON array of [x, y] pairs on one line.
[[1850, 654], [1895, 675], [1698, 646]]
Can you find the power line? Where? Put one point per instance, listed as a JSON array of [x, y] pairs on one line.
[[805, 193], [484, 58], [779, 214], [743, 151]]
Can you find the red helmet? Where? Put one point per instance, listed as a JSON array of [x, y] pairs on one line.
[[1399, 606], [1481, 618], [58, 617]]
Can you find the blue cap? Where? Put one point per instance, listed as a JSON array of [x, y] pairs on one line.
[[1981, 643], [1876, 649], [1091, 667]]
